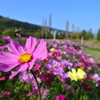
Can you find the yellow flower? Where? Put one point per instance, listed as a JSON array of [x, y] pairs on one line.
[[52, 49], [75, 75]]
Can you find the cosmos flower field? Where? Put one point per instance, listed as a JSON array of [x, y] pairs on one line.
[[47, 70]]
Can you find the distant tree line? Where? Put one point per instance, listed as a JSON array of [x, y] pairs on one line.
[[8, 26]]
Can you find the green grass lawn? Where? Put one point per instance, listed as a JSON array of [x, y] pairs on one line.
[[94, 53], [91, 42]]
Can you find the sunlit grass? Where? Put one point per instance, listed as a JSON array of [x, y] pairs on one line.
[[94, 53]]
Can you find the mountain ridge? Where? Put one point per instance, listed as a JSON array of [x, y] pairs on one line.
[[6, 23]]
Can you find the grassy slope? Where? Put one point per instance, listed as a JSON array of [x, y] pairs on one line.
[[94, 53]]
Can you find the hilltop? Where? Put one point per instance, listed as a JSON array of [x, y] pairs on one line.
[[6, 23]]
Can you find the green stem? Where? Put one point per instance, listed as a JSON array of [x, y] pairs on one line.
[[29, 83], [19, 40], [77, 93], [37, 85]]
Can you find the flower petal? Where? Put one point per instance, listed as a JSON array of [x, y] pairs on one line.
[[41, 51], [31, 63], [15, 47], [8, 61], [30, 44], [21, 68]]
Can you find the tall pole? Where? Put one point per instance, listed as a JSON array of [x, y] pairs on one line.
[[50, 22], [54, 35], [46, 28], [67, 27], [78, 30], [43, 28], [72, 31]]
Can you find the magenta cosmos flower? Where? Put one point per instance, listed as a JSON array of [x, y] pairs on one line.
[[61, 97], [6, 37], [25, 57]]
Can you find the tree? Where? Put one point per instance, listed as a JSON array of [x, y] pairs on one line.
[[8, 32], [88, 35], [82, 34], [98, 35], [38, 33], [75, 35]]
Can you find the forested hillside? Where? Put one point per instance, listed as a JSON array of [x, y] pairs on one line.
[[6, 23]]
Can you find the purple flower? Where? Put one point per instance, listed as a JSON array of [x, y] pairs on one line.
[[52, 64], [18, 35], [72, 90], [28, 77], [86, 87], [55, 68], [25, 77], [42, 91], [96, 78]]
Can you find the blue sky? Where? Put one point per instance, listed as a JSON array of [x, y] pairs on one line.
[[84, 14]]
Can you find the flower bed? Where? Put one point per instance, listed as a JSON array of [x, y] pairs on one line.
[[47, 70]]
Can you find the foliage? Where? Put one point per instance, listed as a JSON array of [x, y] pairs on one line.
[[75, 35], [6, 23], [86, 34], [8, 32], [98, 35], [38, 33]]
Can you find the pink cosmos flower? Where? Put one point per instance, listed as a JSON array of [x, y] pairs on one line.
[[61, 97], [25, 57], [28, 94], [37, 66], [47, 79], [17, 30], [5, 94], [6, 37], [89, 68], [2, 78], [63, 80]]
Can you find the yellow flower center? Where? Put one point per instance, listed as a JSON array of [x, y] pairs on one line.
[[81, 67], [46, 59], [26, 57], [0, 79], [84, 60], [47, 78], [40, 92], [54, 66], [35, 66], [32, 82], [77, 76], [55, 54]]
